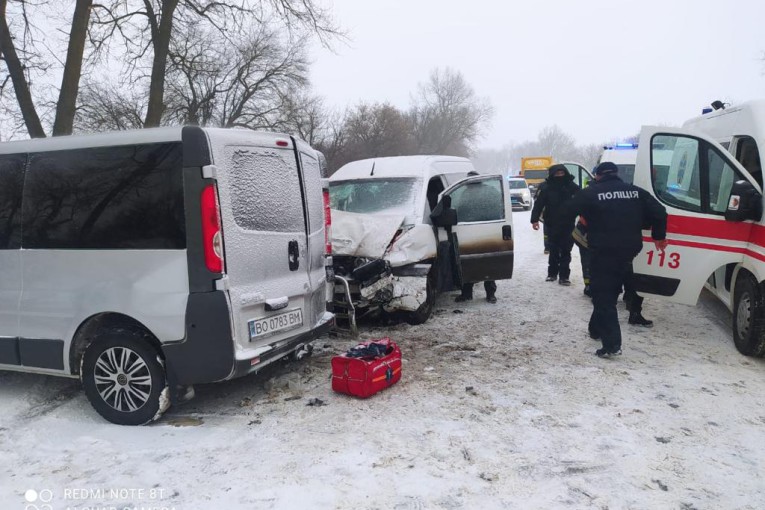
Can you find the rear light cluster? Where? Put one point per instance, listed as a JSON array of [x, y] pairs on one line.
[[327, 225], [212, 236]]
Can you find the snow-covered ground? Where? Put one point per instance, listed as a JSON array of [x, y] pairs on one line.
[[500, 406]]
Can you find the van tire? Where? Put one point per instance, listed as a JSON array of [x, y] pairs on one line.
[[749, 316], [124, 354], [425, 310]]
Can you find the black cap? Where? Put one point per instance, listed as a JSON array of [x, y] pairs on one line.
[[605, 168]]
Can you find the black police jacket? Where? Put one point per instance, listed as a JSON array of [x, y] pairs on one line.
[[551, 199], [616, 213]]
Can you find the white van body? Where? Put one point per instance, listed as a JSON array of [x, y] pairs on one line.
[[705, 189], [196, 254], [381, 211]]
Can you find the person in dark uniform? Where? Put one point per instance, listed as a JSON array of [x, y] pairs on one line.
[[478, 203], [553, 195], [615, 213]]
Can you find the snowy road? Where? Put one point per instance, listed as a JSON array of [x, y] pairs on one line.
[[500, 406]]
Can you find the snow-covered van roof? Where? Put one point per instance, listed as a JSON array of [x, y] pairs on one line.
[[743, 119], [403, 166], [138, 136]]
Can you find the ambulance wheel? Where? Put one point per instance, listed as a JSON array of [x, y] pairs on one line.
[[749, 316], [124, 378], [425, 310]]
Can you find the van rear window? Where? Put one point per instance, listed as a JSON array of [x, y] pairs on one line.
[[125, 197], [265, 189]]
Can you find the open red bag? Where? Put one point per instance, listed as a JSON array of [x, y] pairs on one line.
[[367, 368]]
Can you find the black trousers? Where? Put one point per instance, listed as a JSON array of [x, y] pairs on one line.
[[634, 302], [490, 286], [559, 261], [546, 233], [584, 257], [608, 273]]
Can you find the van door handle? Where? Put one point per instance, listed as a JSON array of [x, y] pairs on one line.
[[293, 255], [507, 232]]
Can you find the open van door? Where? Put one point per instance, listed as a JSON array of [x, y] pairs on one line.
[[483, 229], [582, 176], [712, 205]]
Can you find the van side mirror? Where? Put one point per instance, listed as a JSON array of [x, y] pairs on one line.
[[443, 215], [745, 203]]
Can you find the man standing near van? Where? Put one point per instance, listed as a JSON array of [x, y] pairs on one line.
[[615, 212], [557, 190]]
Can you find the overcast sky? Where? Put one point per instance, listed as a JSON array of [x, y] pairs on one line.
[[597, 69]]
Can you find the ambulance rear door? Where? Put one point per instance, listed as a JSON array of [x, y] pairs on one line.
[[693, 177]]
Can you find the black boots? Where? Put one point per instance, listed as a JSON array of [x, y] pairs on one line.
[[637, 319]]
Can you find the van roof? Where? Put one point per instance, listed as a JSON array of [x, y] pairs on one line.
[[131, 137], [747, 118], [401, 166]]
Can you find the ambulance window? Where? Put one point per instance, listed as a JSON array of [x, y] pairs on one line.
[[721, 179], [676, 183], [749, 157]]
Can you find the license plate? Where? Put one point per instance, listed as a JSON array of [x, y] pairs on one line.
[[275, 323]]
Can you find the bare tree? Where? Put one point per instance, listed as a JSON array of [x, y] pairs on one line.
[[376, 130], [70, 82], [149, 26], [16, 71], [106, 107], [244, 83], [447, 116]]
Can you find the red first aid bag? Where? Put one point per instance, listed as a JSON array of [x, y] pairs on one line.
[[367, 368]]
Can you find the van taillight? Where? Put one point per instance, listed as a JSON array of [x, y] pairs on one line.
[[327, 225], [212, 237]]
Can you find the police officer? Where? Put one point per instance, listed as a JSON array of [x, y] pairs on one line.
[[615, 212]]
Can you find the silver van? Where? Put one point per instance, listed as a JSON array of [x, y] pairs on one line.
[[144, 262]]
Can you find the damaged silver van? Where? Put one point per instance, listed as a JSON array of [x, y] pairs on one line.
[[405, 228]]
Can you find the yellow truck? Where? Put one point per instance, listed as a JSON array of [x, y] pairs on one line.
[[534, 169]]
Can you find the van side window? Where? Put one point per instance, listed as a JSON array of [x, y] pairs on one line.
[[698, 178], [749, 157], [11, 182], [677, 184], [312, 180], [479, 201], [125, 197], [721, 179]]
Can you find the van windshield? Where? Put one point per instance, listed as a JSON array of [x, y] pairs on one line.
[[518, 184], [389, 196]]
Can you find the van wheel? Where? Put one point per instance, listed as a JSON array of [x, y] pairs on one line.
[[124, 378], [425, 310], [749, 317]]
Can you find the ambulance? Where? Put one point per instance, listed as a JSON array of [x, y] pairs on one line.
[[712, 190]]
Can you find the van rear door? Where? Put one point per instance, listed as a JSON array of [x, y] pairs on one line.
[[484, 228], [265, 240], [692, 176]]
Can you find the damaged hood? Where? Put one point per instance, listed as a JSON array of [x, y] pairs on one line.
[[363, 235]]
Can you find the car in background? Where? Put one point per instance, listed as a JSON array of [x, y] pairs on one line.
[[520, 194]]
